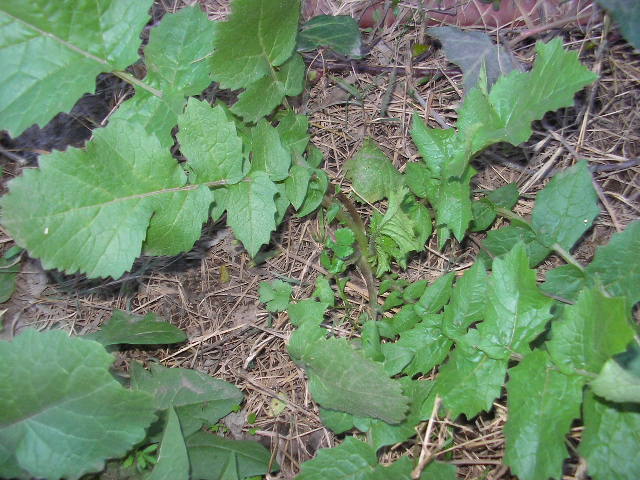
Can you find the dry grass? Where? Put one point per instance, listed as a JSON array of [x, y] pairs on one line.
[[212, 292]]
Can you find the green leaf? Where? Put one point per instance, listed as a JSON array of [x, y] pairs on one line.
[[259, 35], [317, 188], [473, 51], [177, 49], [269, 154], [251, 211], [126, 327], [590, 332], [436, 146], [173, 461], [517, 99], [611, 439], [62, 414], [626, 13], [516, 311], [340, 33], [501, 241], [196, 397], [307, 311], [276, 295], [209, 140], [436, 296], [470, 380], [372, 174], [617, 264], [341, 378], [262, 96], [539, 396], [484, 210], [294, 132], [402, 321], [565, 208], [71, 44], [297, 184], [565, 281], [210, 454], [119, 182], [616, 383], [9, 269], [468, 302]]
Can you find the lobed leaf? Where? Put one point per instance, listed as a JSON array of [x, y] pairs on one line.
[[61, 47], [62, 414], [539, 396], [276, 295]]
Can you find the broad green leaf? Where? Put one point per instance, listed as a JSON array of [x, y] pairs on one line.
[[51, 53], [176, 54], [516, 312], [196, 397], [276, 295], [307, 311], [501, 241], [626, 13], [259, 35], [427, 344], [89, 210], [470, 380], [9, 269], [517, 99], [616, 383], [341, 378], [210, 454], [173, 461], [565, 281], [436, 146], [453, 204], [262, 96], [611, 439], [158, 115], [315, 194], [269, 154], [468, 302], [617, 264], [62, 414], [251, 211], [370, 341], [372, 174], [436, 295], [294, 132], [209, 140], [402, 321], [538, 397], [473, 51], [297, 184], [484, 210], [125, 327], [340, 33], [565, 208], [590, 332]]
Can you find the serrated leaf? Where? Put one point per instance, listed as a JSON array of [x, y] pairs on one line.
[[251, 210], [89, 210], [372, 174], [468, 302], [173, 461], [517, 99], [611, 439], [126, 327], [307, 311], [269, 154], [209, 140], [470, 380], [210, 454], [61, 411], [626, 13], [177, 49], [539, 396], [516, 311], [340, 378], [196, 397], [71, 44], [472, 51], [590, 332], [616, 383], [263, 95], [276, 295], [565, 208], [617, 264], [340, 33], [259, 35]]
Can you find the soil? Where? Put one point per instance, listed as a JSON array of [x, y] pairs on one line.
[[212, 291]]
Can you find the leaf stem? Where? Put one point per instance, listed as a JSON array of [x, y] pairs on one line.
[[127, 77], [567, 257]]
